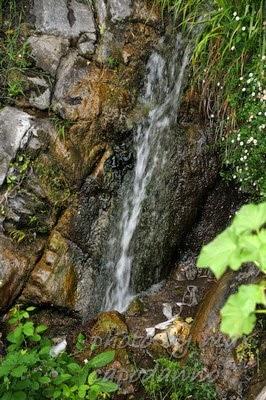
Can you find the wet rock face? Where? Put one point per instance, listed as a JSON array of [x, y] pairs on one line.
[[15, 268], [64, 160], [60, 168]]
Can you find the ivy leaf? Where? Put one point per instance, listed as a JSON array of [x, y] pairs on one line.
[[92, 378], [254, 249], [107, 386], [82, 391], [36, 338], [28, 328], [238, 314], [101, 360], [41, 328], [74, 368], [19, 371], [62, 378], [221, 253], [19, 396], [249, 218], [15, 336], [44, 379], [31, 308]]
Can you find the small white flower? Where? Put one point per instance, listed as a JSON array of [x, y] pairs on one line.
[[244, 28], [241, 78], [255, 142], [212, 115], [241, 143], [253, 94], [85, 361], [263, 58], [218, 84], [250, 74], [241, 159], [249, 80], [260, 113], [244, 89], [235, 14], [237, 18], [245, 157], [233, 48], [234, 176], [232, 141]]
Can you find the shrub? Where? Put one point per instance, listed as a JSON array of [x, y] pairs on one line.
[[244, 241], [173, 381], [29, 371], [228, 70], [14, 53]]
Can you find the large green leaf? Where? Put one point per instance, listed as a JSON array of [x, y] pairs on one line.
[[249, 218], [19, 371], [19, 396], [28, 328], [238, 314], [254, 249], [221, 253], [107, 386], [101, 360], [16, 335]]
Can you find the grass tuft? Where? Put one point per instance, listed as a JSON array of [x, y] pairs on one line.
[[228, 67]]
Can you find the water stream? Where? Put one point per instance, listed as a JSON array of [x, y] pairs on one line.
[[161, 96]]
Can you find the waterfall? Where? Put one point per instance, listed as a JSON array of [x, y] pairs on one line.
[[162, 91]]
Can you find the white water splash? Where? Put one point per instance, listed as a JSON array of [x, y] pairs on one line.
[[162, 94]]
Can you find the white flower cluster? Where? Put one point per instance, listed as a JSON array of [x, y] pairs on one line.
[[252, 140]]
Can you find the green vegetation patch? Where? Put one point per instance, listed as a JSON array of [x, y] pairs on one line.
[[31, 369], [242, 242], [228, 71], [14, 53], [171, 380], [53, 181]]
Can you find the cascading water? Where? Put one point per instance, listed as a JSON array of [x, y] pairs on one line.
[[165, 76]]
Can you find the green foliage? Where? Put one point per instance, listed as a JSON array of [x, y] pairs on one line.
[[18, 235], [245, 148], [228, 71], [54, 182], [247, 350], [18, 170], [61, 125], [112, 62], [14, 53], [244, 241], [29, 371], [175, 382]]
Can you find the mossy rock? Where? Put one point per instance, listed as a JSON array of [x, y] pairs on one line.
[[108, 323], [136, 307]]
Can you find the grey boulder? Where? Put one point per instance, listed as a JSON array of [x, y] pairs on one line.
[[15, 130], [64, 18], [47, 51]]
